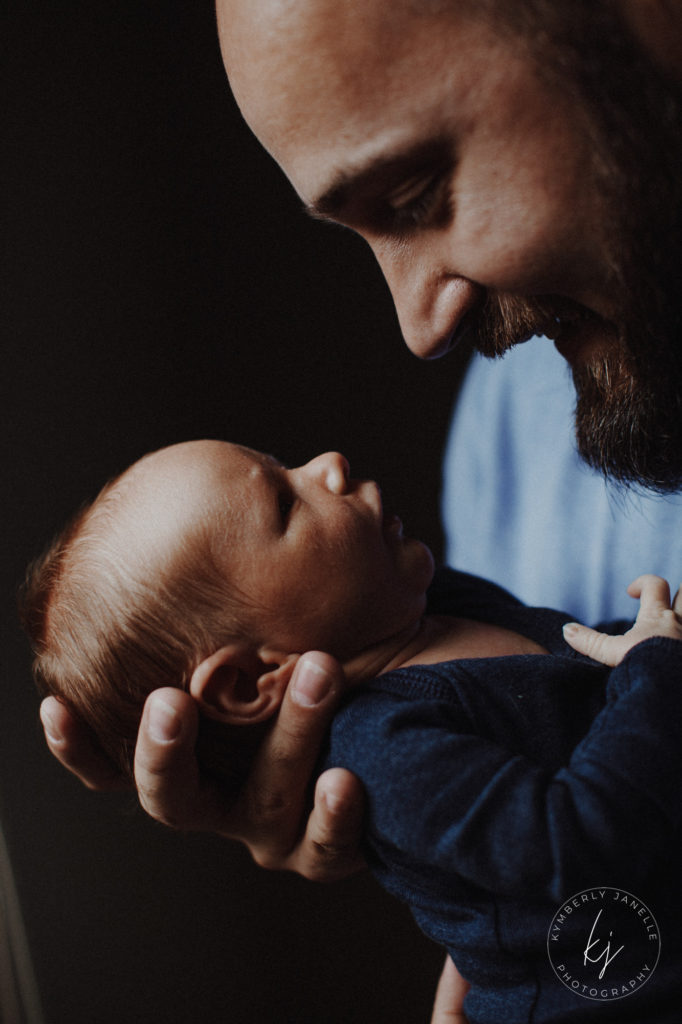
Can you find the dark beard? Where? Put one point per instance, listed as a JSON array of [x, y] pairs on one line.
[[506, 320], [629, 394], [628, 425], [628, 419]]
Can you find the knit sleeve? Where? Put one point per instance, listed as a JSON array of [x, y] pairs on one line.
[[445, 798]]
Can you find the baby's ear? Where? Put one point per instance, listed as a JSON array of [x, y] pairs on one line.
[[242, 685]]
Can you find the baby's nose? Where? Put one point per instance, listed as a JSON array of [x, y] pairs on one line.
[[332, 470]]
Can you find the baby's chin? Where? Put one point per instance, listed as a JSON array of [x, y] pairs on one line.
[[421, 566]]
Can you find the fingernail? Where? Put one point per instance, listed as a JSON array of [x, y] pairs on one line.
[[334, 802], [571, 629], [312, 684], [163, 721], [50, 727]]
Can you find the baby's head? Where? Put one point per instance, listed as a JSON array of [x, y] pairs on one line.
[[210, 567]]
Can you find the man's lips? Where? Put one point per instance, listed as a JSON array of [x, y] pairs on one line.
[[577, 332], [579, 341], [566, 322], [555, 317]]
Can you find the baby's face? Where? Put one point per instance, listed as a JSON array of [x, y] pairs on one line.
[[320, 565]]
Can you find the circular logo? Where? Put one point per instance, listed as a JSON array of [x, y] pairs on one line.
[[603, 944]]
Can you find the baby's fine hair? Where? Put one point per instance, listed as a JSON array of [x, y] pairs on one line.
[[110, 621]]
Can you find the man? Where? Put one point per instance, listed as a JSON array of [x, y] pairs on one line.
[[515, 168], [521, 508]]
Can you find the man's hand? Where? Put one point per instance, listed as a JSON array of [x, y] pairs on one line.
[[656, 617], [74, 746], [452, 988], [268, 814]]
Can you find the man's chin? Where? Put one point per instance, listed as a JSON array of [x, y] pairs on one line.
[[625, 429], [629, 411]]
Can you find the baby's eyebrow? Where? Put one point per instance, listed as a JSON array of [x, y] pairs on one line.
[[264, 458], [274, 461]]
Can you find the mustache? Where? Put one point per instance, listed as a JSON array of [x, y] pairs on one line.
[[505, 320], [628, 413]]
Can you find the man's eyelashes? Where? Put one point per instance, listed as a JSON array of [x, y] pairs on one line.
[[421, 206]]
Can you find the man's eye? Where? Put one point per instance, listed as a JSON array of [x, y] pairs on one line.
[[420, 202]]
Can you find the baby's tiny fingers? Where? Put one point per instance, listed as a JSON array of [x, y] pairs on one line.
[[652, 591], [677, 602], [601, 647]]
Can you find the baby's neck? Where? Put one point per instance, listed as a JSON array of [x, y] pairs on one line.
[[438, 638]]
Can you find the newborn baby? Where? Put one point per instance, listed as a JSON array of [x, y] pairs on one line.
[[504, 771]]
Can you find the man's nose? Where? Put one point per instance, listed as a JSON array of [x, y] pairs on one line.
[[331, 470], [431, 303]]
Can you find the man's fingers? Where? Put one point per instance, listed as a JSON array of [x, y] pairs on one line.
[[273, 798], [268, 814], [74, 746], [452, 988], [167, 774], [330, 849]]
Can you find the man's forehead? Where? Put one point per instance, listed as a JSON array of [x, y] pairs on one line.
[[352, 84], [337, 30], [262, 23], [271, 16]]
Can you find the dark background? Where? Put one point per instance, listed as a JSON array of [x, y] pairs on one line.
[[164, 285]]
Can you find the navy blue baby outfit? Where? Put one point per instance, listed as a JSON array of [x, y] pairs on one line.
[[497, 788]]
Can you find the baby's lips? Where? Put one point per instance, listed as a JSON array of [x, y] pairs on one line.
[[392, 526]]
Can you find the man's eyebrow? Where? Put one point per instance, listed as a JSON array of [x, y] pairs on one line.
[[333, 199], [385, 167]]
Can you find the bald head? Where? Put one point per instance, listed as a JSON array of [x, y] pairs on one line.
[[497, 157], [299, 66]]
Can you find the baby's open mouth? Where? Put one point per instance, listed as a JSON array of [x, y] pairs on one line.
[[392, 525]]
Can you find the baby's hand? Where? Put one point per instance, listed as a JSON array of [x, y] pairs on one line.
[[657, 617]]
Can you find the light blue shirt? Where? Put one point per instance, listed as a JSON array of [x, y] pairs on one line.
[[521, 509]]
